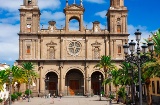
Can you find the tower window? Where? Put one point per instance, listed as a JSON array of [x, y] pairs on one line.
[[119, 49], [118, 28], [28, 49]]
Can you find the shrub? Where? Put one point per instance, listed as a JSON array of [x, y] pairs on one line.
[[1, 100], [27, 92], [111, 96], [19, 94], [14, 96]]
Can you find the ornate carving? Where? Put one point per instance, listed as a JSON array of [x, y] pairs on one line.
[[51, 43]]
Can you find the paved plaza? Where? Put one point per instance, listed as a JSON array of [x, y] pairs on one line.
[[67, 100]]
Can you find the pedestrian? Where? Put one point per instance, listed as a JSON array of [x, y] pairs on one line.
[[60, 95], [52, 100]]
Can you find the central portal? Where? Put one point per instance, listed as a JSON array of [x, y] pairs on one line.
[[74, 82], [73, 86]]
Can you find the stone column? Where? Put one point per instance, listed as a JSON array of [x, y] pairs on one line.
[[81, 23], [61, 77], [67, 23], [20, 49], [114, 49], [61, 48], [23, 49], [33, 52], [41, 48]]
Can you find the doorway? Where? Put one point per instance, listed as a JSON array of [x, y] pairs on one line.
[[74, 82]]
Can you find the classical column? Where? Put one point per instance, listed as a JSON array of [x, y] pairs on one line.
[[61, 77], [126, 27], [20, 48], [36, 49], [23, 49], [41, 48], [81, 23], [33, 49], [61, 48], [114, 49]]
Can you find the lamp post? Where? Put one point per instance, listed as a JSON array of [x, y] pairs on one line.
[[137, 59], [89, 78], [127, 90], [10, 87], [46, 80], [28, 89], [100, 87]]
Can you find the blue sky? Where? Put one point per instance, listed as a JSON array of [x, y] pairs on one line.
[[142, 14]]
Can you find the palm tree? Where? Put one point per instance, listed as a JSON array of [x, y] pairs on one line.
[[156, 40], [115, 79], [29, 72], [149, 70], [3, 78], [106, 64]]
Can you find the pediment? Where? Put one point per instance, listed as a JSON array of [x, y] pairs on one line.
[[74, 7], [96, 43], [51, 44]]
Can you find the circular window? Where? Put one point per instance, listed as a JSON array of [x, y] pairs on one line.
[[74, 47]]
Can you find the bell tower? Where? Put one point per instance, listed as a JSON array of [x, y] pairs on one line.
[[117, 17], [29, 16], [74, 11]]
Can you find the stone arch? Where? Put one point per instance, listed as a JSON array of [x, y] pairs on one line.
[[51, 70], [74, 82], [97, 78], [51, 82], [78, 68], [74, 20]]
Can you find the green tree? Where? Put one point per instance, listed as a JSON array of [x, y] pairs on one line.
[[105, 64], [29, 72], [3, 78]]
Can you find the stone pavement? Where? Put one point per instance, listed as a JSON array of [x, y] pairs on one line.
[[67, 100]]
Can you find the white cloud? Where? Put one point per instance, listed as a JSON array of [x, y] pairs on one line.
[[9, 42], [96, 1], [143, 29], [102, 14], [48, 15], [14, 5]]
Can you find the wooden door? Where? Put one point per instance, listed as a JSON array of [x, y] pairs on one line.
[[73, 86], [52, 86], [95, 87]]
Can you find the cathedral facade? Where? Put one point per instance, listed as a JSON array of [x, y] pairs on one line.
[[65, 59]]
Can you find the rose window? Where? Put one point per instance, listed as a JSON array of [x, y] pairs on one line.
[[74, 47]]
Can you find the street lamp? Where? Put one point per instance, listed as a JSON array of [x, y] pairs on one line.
[[10, 87], [100, 87], [127, 91], [137, 59], [89, 78], [46, 80]]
